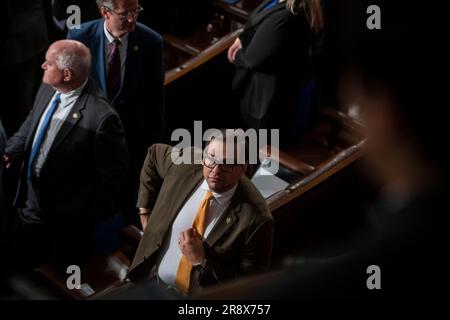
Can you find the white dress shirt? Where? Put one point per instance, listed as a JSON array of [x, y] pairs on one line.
[[122, 50], [68, 100], [171, 254]]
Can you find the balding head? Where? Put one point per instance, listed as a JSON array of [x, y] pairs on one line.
[[73, 61]]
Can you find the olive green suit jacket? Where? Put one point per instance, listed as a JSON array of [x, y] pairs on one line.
[[239, 244]]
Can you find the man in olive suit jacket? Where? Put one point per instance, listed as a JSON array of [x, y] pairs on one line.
[[237, 240]]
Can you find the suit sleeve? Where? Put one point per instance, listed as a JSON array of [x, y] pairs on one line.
[[111, 158], [266, 44], [156, 166]]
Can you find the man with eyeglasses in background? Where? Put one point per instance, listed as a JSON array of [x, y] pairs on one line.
[[128, 66], [203, 224]]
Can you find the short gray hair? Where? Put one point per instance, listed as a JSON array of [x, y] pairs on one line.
[[72, 59], [106, 3]]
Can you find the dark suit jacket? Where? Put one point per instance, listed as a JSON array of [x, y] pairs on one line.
[[239, 244], [272, 65], [85, 165], [140, 101]]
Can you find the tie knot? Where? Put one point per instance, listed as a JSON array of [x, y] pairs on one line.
[[57, 98], [116, 42], [209, 195]]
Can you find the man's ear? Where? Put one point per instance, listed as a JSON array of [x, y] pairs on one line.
[[68, 74], [104, 12]]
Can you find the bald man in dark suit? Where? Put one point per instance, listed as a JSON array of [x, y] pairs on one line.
[[75, 158]]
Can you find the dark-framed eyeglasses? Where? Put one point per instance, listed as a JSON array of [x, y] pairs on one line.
[[210, 162], [128, 14]]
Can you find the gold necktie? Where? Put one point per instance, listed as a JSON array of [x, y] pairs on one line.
[[185, 267]]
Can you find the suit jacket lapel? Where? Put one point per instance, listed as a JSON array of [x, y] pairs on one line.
[[228, 218], [130, 64], [72, 119], [98, 45]]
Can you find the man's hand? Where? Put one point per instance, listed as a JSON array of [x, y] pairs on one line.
[[7, 160], [191, 246], [235, 47]]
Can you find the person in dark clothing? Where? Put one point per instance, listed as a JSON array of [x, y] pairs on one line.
[[128, 66], [272, 59], [75, 159]]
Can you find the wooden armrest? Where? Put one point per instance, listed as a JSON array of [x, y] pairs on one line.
[[218, 47], [327, 169], [287, 160], [55, 279], [99, 275], [344, 119], [180, 45]]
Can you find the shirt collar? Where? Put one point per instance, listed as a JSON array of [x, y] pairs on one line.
[[222, 198], [68, 97], [123, 40]]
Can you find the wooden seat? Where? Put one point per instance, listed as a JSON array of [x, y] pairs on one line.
[[100, 275]]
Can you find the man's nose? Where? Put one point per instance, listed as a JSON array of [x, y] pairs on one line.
[[132, 17], [217, 168]]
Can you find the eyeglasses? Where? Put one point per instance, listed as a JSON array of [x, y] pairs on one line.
[[210, 162], [128, 14]]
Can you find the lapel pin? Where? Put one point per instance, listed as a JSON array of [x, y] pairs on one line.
[[136, 48], [228, 220], [75, 115]]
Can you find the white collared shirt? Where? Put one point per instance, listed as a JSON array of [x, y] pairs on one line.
[[122, 50], [68, 100], [171, 253]]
